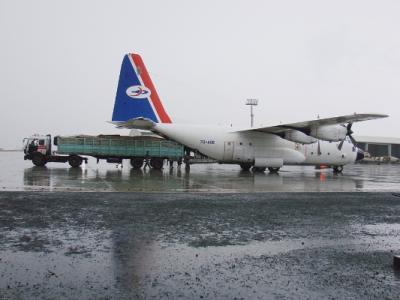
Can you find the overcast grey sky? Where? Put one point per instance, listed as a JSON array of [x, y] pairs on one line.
[[60, 61]]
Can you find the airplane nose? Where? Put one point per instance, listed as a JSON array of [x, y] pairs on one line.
[[360, 155]]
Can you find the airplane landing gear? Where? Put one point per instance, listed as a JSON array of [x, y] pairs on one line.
[[258, 169], [245, 167], [338, 169], [273, 170]]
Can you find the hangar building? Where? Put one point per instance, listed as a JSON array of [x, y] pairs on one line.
[[379, 146]]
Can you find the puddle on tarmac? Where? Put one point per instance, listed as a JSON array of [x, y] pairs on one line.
[[17, 174]]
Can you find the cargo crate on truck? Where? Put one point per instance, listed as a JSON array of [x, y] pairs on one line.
[[112, 148]]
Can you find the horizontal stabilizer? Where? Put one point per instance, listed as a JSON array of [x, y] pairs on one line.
[[137, 123]]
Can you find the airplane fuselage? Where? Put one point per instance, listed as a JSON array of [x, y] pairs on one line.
[[137, 105], [226, 145]]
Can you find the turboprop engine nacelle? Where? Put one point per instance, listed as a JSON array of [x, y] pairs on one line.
[[298, 137], [332, 133]]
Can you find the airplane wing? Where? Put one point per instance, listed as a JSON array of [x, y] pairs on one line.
[[307, 125]]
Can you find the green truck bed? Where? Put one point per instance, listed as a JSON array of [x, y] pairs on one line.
[[119, 146]]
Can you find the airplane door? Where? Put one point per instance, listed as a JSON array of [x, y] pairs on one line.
[[242, 153], [228, 151]]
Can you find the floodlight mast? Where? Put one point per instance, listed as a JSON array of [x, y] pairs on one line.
[[251, 102]]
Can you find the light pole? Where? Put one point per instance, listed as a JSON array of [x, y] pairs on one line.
[[251, 102]]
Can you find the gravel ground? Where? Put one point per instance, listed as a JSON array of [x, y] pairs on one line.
[[199, 246]]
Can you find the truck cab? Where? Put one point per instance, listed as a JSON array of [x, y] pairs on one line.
[[37, 143], [36, 148]]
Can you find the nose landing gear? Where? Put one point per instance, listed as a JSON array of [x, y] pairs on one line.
[[337, 169], [245, 167]]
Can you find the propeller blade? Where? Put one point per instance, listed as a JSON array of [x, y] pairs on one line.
[[353, 140], [348, 133], [349, 126], [341, 144], [319, 148]]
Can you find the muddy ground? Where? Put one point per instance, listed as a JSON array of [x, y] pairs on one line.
[[199, 246]]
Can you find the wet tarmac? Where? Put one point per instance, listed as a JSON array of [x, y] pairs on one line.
[[202, 234], [19, 175], [199, 246]]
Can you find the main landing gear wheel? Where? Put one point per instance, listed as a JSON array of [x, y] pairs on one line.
[[338, 169], [245, 167], [157, 163], [259, 169], [75, 161], [273, 170], [137, 163], [38, 159]]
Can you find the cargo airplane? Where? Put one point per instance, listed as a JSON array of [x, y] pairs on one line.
[[325, 141]]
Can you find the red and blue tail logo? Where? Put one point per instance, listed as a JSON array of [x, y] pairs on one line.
[[136, 95]]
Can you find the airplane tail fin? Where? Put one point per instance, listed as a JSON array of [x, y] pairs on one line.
[[136, 95]]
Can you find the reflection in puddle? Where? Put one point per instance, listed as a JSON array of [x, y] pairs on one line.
[[200, 178]]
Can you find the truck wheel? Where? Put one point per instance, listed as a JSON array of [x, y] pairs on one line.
[[157, 163], [137, 163], [75, 161], [38, 159]]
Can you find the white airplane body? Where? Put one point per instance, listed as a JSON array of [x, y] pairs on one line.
[[317, 142], [227, 146]]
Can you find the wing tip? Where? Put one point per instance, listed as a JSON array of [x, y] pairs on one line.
[[374, 115]]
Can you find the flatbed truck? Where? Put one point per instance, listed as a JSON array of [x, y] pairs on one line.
[[112, 148]]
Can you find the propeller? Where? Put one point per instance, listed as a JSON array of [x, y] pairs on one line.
[[349, 134], [319, 148]]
